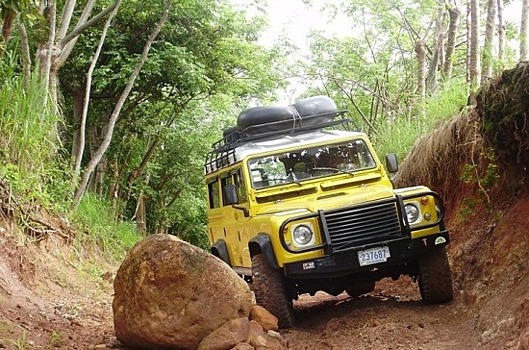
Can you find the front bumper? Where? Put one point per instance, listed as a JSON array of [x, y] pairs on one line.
[[404, 252]]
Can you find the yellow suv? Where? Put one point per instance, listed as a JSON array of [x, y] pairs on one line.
[[298, 204]]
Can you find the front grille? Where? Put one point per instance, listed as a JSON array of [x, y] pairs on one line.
[[356, 226]]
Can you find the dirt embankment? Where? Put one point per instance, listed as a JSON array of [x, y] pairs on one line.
[[51, 298]]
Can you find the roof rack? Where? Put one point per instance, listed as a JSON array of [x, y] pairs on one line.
[[283, 127], [223, 152]]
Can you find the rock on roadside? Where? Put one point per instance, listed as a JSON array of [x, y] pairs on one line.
[[169, 294]]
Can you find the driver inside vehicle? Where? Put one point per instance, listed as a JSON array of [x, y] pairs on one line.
[[336, 160]]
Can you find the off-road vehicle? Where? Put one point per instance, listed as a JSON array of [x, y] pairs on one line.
[[298, 203]]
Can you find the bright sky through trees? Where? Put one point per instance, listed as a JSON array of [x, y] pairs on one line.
[[294, 19]]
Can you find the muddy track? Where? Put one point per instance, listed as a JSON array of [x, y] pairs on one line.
[[380, 320]]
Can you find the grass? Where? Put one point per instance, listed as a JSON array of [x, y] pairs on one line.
[[31, 162], [19, 343], [29, 144], [57, 339], [93, 217], [399, 135]]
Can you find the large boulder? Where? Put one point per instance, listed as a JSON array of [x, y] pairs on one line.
[[169, 294]]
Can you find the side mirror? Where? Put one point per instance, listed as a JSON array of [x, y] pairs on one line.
[[230, 195], [392, 165]]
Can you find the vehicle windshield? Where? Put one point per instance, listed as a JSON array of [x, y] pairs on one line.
[[307, 163]]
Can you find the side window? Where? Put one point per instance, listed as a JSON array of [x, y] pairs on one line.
[[241, 188], [214, 194]]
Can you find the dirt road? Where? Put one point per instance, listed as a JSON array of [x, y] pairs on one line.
[[392, 317]]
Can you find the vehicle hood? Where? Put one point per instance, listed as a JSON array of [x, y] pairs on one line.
[[326, 200]]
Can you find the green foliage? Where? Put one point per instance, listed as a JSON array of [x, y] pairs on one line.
[[398, 135], [446, 102], [97, 226], [29, 146], [204, 63], [485, 178], [466, 209], [189, 218], [27, 122]]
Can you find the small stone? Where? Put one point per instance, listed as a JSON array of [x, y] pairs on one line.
[[264, 341], [243, 346], [255, 330], [264, 318], [227, 336]]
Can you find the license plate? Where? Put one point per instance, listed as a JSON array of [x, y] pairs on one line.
[[373, 256]]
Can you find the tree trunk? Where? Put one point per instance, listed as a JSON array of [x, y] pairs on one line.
[[421, 74], [45, 50], [117, 109], [53, 53], [25, 55], [501, 33], [453, 14], [437, 57], [421, 69], [80, 144], [141, 215], [78, 100], [474, 50], [141, 212], [7, 26], [97, 180], [113, 190], [524, 31], [486, 72]]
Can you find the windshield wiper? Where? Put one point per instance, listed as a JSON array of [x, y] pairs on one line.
[[291, 178]]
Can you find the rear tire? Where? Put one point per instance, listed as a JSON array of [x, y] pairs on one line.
[[360, 288], [435, 278], [268, 285]]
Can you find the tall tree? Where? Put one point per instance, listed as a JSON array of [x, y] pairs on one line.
[[421, 68], [205, 50], [524, 31], [80, 135], [109, 128], [501, 32], [453, 26], [486, 71], [57, 47], [437, 58], [474, 48]]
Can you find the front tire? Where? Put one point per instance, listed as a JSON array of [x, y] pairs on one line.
[[435, 278], [268, 285]]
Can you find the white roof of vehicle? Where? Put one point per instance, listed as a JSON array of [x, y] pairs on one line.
[[278, 143]]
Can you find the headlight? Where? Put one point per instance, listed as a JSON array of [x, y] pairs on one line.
[[412, 212], [303, 234]]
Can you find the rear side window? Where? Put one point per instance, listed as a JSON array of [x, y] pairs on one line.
[[214, 194]]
